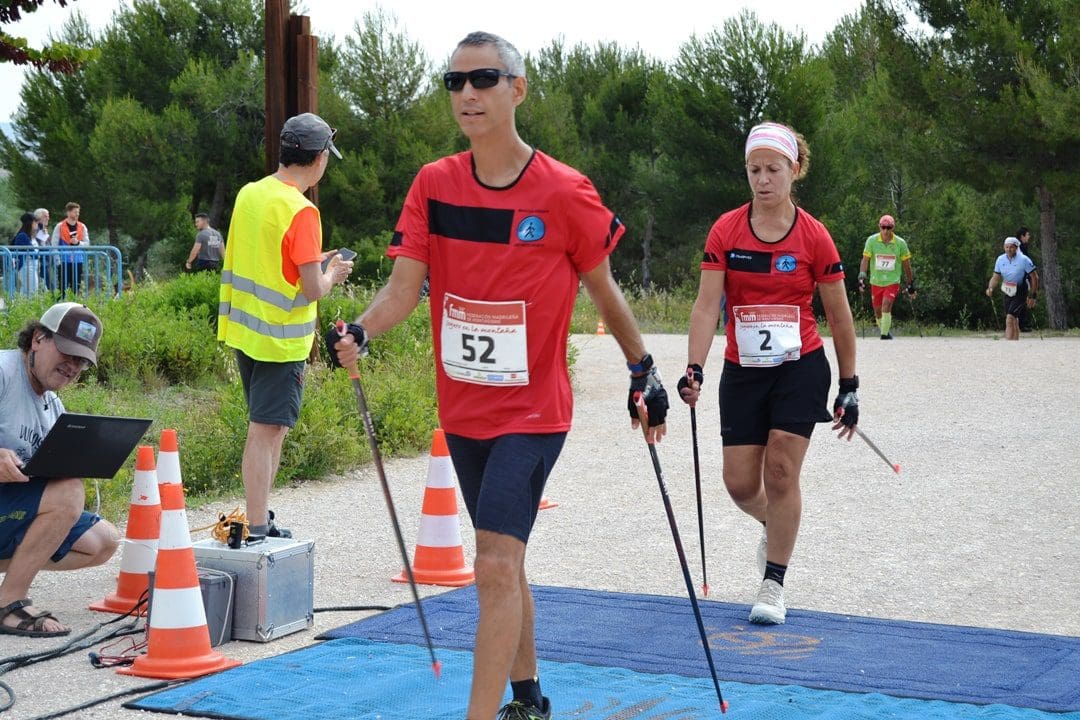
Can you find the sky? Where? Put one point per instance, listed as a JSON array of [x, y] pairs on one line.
[[658, 28]]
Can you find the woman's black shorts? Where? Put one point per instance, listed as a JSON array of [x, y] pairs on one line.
[[791, 397]]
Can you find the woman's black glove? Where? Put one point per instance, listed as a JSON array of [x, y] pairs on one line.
[[694, 374], [846, 405]]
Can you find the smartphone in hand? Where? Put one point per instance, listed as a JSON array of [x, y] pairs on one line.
[[346, 254]]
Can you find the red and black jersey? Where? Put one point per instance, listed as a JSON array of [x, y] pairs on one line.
[[524, 242], [778, 273]]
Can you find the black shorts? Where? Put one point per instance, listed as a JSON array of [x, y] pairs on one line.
[[791, 397], [273, 391], [1015, 305], [502, 479]]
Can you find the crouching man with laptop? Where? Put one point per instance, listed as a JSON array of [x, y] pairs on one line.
[[42, 522]]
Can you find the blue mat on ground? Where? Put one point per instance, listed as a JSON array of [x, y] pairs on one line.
[[658, 634], [356, 679]]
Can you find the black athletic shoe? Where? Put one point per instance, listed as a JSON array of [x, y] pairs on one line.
[[520, 710], [275, 531], [887, 336]]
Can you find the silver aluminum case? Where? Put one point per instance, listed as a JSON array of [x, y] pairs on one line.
[[275, 585]]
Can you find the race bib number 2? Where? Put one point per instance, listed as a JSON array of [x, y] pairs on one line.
[[767, 335], [485, 342]]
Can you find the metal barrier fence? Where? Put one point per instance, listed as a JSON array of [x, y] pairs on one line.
[[77, 270]]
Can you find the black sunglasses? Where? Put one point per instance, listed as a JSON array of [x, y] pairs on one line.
[[481, 79], [886, 227]]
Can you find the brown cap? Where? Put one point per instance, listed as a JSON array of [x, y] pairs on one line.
[[76, 329]]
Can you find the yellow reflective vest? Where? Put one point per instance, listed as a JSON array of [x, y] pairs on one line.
[[261, 313]]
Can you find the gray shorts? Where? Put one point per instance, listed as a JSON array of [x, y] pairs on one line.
[[273, 391]]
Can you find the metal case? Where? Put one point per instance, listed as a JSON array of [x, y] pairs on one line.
[[275, 585]]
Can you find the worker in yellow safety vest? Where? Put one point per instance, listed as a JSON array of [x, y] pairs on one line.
[[274, 271]]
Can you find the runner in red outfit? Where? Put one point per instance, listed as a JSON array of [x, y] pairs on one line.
[[506, 233], [769, 256]]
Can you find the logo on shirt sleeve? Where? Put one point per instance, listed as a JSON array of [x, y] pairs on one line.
[[530, 229]]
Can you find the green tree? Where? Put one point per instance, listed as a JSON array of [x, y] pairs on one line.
[[720, 86], [56, 57], [997, 79], [128, 138], [392, 118]]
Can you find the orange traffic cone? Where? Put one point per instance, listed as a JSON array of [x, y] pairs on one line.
[[140, 540], [179, 640], [600, 327], [546, 504], [439, 557]]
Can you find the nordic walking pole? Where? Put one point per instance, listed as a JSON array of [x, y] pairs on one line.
[[697, 485], [369, 427], [643, 418], [914, 316], [895, 466]]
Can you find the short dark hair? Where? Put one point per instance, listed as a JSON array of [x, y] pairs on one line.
[[26, 335], [290, 155], [1022, 231], [202, 216]]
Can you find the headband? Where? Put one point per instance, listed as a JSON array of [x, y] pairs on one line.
[[773, 136]]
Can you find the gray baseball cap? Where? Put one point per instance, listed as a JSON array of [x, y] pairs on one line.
[[76, 329], [308, 131]]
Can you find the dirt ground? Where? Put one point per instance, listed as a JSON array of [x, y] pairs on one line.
[[980, 528]]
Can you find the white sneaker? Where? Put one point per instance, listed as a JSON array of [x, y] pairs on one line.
[[762, 553], [769, 606]]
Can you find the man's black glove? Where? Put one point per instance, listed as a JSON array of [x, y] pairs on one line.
[[848, 399], [693, 374], [911, 288], [333, 337], [653, 395]]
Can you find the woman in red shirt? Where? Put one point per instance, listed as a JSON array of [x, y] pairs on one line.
[[767, 257]]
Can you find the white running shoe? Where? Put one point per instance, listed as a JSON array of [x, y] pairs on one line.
[[762, 553], [769, 606]]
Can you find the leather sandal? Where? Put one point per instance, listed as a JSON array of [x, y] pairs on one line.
[[30, 624]]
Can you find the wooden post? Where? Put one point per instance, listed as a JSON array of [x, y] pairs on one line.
[[276, 74], [292, 75]]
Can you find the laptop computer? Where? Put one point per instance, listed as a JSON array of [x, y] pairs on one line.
[[86, 446]]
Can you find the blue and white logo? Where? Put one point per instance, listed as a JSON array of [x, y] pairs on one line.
[[530, 229], [785, 263]]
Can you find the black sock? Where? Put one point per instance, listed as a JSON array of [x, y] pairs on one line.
[[528, 691], [775, 572], [258, 529]]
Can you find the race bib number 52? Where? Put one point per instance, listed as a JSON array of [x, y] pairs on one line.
[[767, 335], [485, 342]]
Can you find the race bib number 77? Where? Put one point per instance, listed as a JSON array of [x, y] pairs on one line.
[[485, 342]]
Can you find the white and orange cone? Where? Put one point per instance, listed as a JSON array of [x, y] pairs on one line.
[[179, 639], [439, 558], [140, 539], [546, 503], [600, 327]]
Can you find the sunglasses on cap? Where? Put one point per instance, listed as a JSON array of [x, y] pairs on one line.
[[481, 78], [886, 227]]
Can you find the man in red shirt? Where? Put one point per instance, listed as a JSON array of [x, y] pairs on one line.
[[506, 233]]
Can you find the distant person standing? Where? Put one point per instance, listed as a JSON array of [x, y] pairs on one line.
[[44, 240], [26, 264], [1024, 236], [1010, 269], [70, 233], [206, 252], [885, 253]]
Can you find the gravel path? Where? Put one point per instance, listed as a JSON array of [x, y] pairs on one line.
[[981, 528]]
